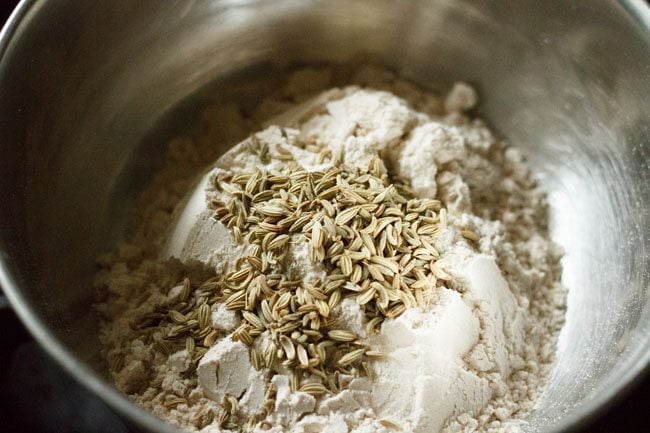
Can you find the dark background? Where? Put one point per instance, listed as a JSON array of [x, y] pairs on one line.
[[37, 397]]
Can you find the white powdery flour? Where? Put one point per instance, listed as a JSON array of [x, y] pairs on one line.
[[474, 360]]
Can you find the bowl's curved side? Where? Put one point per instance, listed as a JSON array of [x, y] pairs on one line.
[[16, 262]]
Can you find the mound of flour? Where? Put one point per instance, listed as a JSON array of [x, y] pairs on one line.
[[474, 360]]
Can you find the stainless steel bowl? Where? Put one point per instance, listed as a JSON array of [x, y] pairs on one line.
[[83, 83]]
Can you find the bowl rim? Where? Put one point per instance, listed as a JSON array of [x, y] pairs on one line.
[[581, 415]]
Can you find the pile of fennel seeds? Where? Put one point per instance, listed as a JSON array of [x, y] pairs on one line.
[[373, 238]]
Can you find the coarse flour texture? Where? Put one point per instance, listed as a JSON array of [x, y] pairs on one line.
[[475, 358]]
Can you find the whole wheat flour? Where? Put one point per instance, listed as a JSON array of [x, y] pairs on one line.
[[472, 355]]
